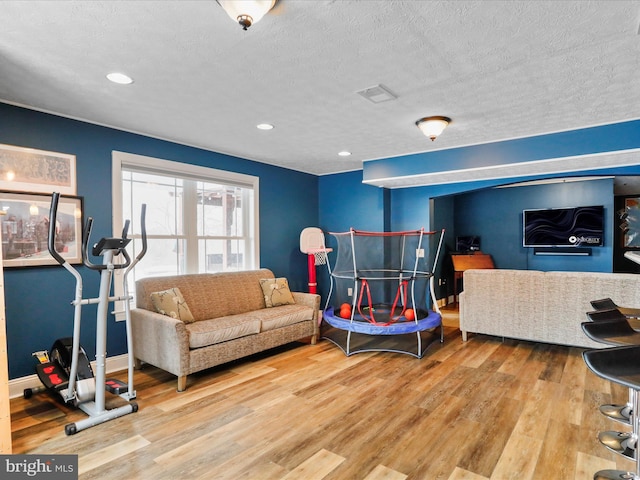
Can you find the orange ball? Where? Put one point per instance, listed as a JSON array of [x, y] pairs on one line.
[[409, 314], [345, 305], [345, 312]]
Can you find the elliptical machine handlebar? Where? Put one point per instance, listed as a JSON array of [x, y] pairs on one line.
[[117, 245], [51, 244]]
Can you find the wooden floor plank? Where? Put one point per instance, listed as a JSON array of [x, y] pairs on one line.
[[111, 453], [461, 474], [519, 455], [383, 473], [316, 467]]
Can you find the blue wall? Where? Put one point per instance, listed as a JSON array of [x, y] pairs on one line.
[[37, 298], [493, 213], [344, 203], [496, 215]]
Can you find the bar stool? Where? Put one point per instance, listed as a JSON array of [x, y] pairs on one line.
[[615, 332], [620, 365]]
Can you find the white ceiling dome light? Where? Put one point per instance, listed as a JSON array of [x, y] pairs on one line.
[[246, 12], [433, 126]]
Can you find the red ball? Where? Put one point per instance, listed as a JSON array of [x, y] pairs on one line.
[[345, 312], [409, 314], [345, 305]]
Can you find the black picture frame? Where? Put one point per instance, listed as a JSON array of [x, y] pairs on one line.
[[24, 223]]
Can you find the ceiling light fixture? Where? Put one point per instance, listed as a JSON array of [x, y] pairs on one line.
[[264, 126], [433, 126], [120, 78], [344, 153], [246, 12]]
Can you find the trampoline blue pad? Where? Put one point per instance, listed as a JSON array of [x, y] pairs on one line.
[[362, 325]]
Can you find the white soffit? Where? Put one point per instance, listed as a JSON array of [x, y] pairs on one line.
[[579, 163]]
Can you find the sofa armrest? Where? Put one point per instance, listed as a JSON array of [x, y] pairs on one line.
[[157, 338], [310, 300]]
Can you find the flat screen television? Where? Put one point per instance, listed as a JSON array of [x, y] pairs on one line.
[[468, 243], [564, 227]]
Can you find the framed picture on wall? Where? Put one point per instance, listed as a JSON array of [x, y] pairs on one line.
[[24, 222], [30, 170]]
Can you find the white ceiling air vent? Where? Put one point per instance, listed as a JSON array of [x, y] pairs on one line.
[[377, 94]]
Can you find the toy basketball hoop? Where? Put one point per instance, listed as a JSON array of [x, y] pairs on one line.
[[312, 244], [319, 255]]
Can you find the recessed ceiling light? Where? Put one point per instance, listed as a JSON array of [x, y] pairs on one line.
[[264, 126], [344, 153], [120, 78]]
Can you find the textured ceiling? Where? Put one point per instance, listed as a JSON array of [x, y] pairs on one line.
[[499, 69]]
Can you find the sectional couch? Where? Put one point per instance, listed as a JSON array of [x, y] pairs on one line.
[[539, 306]]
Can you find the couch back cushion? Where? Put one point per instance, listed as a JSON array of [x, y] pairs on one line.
[[209, 295]]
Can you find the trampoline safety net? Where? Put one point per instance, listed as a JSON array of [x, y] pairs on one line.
[[384, 278]]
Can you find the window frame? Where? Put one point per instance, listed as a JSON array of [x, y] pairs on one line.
[[126, 160]]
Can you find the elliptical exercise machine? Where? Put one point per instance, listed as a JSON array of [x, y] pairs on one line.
[[65, 369]]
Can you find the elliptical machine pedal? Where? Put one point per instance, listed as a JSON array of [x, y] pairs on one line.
[[54, 368]]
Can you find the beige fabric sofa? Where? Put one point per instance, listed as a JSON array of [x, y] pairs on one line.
[[539, 306], [231, 321]]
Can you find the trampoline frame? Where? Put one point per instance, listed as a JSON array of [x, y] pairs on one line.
[[356, 326]]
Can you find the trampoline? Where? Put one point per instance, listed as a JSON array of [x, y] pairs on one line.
[[382, 295]]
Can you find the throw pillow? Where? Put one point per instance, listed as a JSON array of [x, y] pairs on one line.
[[171, 303], [276, 292]]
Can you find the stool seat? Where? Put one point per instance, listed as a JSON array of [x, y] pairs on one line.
[[605, 315], [608, 304], [612, 332], [619, 365], [615, 314]]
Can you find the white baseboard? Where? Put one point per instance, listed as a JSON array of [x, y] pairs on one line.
[[18, 385]]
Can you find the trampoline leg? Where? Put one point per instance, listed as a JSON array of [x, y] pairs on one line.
[[348, 343], [419, 344]]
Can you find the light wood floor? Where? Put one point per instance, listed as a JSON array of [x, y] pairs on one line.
[[484, 409]]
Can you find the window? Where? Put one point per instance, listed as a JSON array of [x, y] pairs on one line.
[[198, 219]]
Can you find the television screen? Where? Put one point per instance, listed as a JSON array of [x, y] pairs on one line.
[[468, 243], [564, 227]]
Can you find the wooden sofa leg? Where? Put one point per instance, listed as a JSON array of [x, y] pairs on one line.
[[314, 339], [182, 383], [137, 363]]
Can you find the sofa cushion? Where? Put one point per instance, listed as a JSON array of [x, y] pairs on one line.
[[217, 330], [276, 292], [170, 302], [277, 317]]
